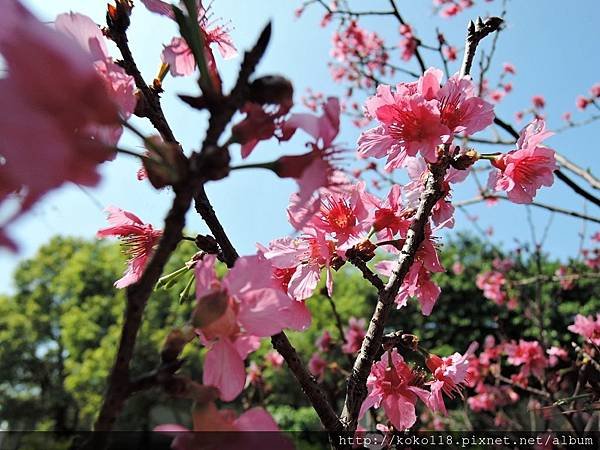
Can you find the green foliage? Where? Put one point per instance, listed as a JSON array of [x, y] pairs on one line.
[[60, 329]]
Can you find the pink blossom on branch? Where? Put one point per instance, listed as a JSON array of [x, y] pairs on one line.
[[354, 335], [450, 374], [523, 171], [395, 386], [419, 116], [248, 305], [47, 132], [138, 240]]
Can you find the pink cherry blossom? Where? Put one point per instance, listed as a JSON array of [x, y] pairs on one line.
[[254, 308], [419, 116], [305, 256], [528, 354], [417, 282], [523, 171], [47, 137], [449, 374], [582, 102], [343, 216], [393, 385], [491, 283], [555, 354], [587, 327], [538, 101], [352, 47], [509, 68], [317, 366], [354, 335], [138, 240]]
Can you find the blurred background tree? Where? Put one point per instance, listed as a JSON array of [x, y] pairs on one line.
[[60, 329]]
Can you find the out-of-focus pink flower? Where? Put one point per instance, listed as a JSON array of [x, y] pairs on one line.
[[47, 132], [450, 52], [408, 44], [490, 398], [458, 268], [253, 375], [121, 87], [581, 102], [250, 307], [491, 283], [555, 354], [179, 56], [538, 101], [274, 359], [354, 335], [595, 90], [528, 354], [355, 49], [509, 68], [566, 116], [317, 365], [565, 282], [587, 327], [323, 342], [449, 374], [523, 171], [214, 428], [393, 385], [138, 240]]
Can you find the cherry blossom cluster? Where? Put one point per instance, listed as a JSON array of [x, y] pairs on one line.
[[450, 8]]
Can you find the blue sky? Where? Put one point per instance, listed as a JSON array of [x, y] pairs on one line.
[[553, 46]]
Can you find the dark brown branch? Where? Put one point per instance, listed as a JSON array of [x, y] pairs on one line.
[[367, 273], [119, 386], [356, 388], [476, 32], [151, 106], [311, 388]]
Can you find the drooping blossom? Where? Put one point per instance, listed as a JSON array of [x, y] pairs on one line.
[[390, 216], [253, 375], [528, 354], [582, 102], [420, 116], [458, 268], [120, 86], [179, 56], [395, 386], [588, 327], [303, 258], [316, 172], [509, 68], [492, 283], [354, 335], [538, 101], [138, 241], [248, 306], [523, 171], [408, 44], [417, 282], [450, 374], [47, 136]]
